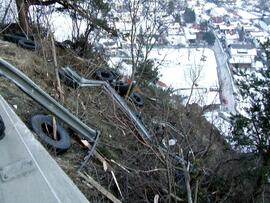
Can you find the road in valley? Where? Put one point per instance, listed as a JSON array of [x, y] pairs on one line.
[[225, 78]]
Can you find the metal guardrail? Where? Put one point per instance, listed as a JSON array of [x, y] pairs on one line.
[[35, 92], [83, 82]]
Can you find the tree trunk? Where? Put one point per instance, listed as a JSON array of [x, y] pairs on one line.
[[23, 8]]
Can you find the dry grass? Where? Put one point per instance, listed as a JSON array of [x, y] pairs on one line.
[[119, 140]]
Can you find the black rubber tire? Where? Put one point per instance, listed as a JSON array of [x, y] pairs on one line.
[[137, 99], [67, 44], [12, 38], [22, 35], [68, 81], [28, 44], [103, 74], [62, 144], [121, 88], [16, 37], [2, 128]]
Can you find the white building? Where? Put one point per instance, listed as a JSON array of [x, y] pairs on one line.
[[242, 53]]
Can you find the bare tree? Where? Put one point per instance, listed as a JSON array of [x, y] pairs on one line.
[[146, 30]]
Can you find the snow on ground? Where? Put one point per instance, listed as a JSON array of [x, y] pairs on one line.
[[61, 25], [218, 11], [11, 15], [221, 121], [209, 6], [118, 62], [246, 15], [177, 40], [180, 68]]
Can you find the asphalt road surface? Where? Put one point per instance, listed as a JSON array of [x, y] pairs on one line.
[[225, 79]]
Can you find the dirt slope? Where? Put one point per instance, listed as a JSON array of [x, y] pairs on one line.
[[142, 171]]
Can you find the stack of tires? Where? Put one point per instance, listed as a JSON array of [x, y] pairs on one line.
[[27, 42]]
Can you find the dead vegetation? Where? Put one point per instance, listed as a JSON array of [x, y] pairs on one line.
[[127, 167]]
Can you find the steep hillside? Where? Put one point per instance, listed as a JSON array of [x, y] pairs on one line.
[[141, 170]]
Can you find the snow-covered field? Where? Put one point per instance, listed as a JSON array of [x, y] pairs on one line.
[[182, 68]]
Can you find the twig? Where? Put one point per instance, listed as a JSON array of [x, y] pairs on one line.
[[128, 169], [187, 180], [59, 88], [117, 185], [174, 196], [120, 165], [100, 188], [196, 191]]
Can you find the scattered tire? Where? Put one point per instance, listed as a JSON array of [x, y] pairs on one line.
[[121, 88], [2, 128], [103, 74], [137, 99], [42, 125], [68, 81], [12, 38], [28, 44], [16, 37], [24, 36], [67, 44]]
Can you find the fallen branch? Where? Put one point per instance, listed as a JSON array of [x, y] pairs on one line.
[[97, 155], [100, 188]]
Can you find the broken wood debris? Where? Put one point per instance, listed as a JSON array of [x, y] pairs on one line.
[[100, 188]]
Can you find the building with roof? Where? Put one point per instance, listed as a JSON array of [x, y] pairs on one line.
[[242, 54]]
